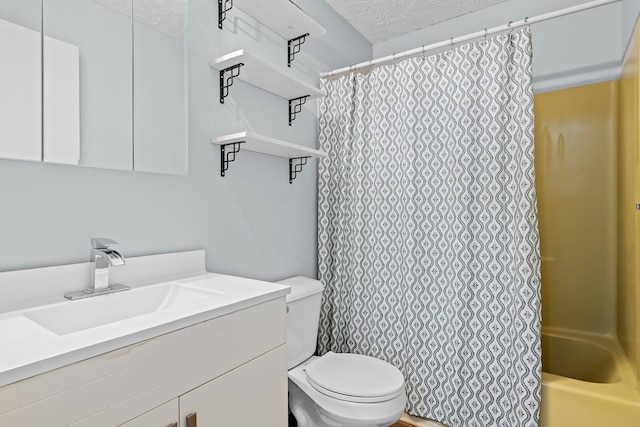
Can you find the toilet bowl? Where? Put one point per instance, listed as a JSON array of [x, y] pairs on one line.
[[336, 389], [372, 395]]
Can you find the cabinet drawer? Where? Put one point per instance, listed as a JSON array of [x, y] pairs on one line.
[[165, 415]]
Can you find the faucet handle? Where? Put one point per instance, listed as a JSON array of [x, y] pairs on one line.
[[102, 243]]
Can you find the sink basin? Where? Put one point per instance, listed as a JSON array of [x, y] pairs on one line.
[[40, 330], [73, 316]]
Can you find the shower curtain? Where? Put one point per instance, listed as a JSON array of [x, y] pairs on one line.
[[427, 229]]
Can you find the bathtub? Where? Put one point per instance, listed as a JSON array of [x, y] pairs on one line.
[[586, 382]]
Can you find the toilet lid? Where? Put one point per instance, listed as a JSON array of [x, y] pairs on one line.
[[355, 378]]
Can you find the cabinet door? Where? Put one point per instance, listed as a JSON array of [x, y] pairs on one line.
[[254, 394], [163, 416]]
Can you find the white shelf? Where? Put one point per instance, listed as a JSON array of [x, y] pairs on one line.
[[265, 76], [296, 154], [282, 16], [266, 145]]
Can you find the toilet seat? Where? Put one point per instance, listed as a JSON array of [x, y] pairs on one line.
[[355, 378], [304, 397]]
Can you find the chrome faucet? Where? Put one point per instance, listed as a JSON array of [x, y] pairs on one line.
[[102, 257]]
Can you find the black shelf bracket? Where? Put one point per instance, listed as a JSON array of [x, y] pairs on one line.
[[224, 6], [295, 167], [295, 106], [228, 156], [293, 47], [226, 80]]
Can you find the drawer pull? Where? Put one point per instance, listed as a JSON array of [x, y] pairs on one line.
[[192, 420]]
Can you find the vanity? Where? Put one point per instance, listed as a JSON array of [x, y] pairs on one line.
[[183, 347]]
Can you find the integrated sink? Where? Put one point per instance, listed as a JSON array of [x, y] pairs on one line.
[[74, 316], [40, 330]]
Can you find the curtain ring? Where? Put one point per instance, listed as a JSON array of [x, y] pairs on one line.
[[485, 34], [526, 19], [509, 24], [451, 41]]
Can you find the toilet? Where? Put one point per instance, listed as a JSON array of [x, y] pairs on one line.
[[337, 389]]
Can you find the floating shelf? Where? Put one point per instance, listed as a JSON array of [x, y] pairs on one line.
[[266, 145], [282, 16], [296, 154], [265, 76]]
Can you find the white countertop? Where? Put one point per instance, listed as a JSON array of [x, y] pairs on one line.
[[30, 349]]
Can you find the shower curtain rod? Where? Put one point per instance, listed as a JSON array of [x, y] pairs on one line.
[[454, 40]]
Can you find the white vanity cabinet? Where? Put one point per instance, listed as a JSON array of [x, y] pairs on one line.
[[230, 370], [241, 397], [165, 415]]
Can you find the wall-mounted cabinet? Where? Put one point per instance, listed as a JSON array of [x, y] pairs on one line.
[[231, 144], [94, 83]]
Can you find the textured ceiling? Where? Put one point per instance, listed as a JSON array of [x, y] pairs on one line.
[[380, 20], [167, 16]]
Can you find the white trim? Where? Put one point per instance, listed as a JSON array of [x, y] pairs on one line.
[[579, 77]]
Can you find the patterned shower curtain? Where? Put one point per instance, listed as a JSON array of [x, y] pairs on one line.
[[427, 229]]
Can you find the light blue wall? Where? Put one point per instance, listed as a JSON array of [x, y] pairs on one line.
[[582, 48], [251, 223], [26, 13], [630, 12]]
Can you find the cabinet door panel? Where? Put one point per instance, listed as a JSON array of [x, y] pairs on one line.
[[254, 394], [20, 81], [162, 416]]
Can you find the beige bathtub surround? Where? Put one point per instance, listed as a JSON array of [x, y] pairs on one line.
[[587, 185], [585, 357], [573, 402], [628, 278], [575, 159]]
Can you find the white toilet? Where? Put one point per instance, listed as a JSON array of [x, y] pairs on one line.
[[335, 389]]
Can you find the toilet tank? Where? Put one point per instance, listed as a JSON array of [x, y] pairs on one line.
[[303, 314]]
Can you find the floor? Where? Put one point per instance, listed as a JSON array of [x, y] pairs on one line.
[[423, 423], [402, 424], [410, 421]]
